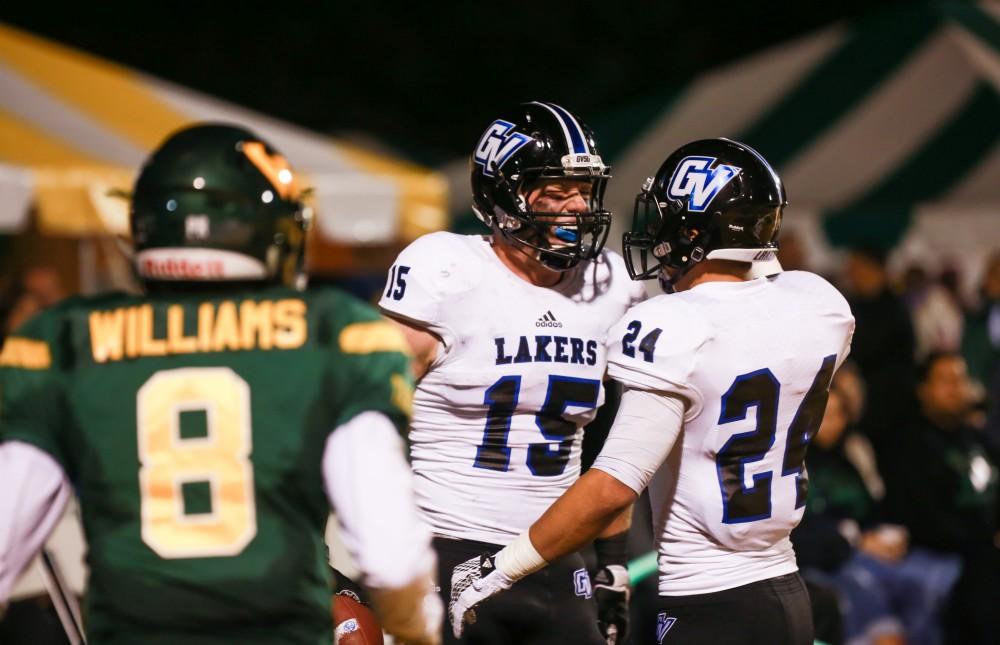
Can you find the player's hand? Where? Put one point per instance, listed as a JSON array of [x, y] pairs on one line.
[[612, 593], [472, 582], [412, 615], [433, 614]]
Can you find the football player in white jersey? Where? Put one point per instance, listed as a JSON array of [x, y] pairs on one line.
[[508, 332], [726, 382]]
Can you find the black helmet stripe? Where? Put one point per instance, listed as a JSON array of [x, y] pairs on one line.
[[576, 141]]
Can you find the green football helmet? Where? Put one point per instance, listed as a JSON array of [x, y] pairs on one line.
[[216, 203]]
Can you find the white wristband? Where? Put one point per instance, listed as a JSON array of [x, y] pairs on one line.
[[519, 558]]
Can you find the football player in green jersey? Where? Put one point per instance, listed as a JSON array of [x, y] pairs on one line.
[[208, 425]]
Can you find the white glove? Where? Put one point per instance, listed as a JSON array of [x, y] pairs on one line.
[[472, 582]]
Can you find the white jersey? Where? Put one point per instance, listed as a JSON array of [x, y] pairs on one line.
[[754, 361], [497, 420]]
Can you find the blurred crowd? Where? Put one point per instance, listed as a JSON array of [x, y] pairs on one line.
[[900, 539], [900, 542], [27, 292]]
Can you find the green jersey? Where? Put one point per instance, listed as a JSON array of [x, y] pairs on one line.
[[193, 429]]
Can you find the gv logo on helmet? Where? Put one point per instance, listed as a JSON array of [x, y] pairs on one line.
[[696, 180], [497, 145]]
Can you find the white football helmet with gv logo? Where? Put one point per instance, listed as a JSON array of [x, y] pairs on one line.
[[536, 142], [714, 199]]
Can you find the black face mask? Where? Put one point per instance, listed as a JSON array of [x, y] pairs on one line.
[[578, 241]]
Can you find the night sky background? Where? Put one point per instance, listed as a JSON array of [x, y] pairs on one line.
[[425, 78]]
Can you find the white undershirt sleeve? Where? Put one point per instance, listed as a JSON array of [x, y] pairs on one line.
[[33, 494], [370, 486], [643, 434]]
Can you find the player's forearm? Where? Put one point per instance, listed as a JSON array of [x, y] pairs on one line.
[[585, 511], [619, 525], [370, 488], [413, 613], [576, 518]]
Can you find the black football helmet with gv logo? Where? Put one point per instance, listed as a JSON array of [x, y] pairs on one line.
[[711, 199], [533, 143]]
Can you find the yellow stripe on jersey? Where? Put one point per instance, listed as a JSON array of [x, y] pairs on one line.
[[374, 336], [402, 394], [26, 353]]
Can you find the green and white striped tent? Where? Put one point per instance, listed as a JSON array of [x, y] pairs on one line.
[[885, 130]]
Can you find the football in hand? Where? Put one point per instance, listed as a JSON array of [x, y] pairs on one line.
[[354, 623]]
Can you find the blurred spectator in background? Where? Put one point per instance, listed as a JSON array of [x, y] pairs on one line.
[[936, 313], [888, 595], [981, 339], [981, 343], [30, 291], [44, 283], [951, 279], [17, 306], [883, 345], [941, 483], [792, 252]]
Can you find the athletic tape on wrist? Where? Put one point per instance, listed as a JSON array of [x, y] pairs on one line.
[[519, 558]]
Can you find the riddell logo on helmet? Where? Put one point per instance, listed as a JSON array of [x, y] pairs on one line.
[[198, 264], [182, 268]]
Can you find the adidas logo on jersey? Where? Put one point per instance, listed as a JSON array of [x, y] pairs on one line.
[[548, 320]]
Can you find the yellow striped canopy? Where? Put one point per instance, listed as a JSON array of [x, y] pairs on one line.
[[74, 127]]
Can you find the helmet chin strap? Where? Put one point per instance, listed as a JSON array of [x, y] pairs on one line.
[[665, 281], [543, 257], [535, 256]]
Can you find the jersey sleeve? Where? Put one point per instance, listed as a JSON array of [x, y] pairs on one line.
[[33, 404], [33, 495], [655, 346], [371, 366], [424, 276]]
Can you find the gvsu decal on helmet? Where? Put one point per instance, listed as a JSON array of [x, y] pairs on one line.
[[696, 180], [497, 145]]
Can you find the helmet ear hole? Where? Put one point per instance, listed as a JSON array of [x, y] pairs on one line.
[[689, 234]]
